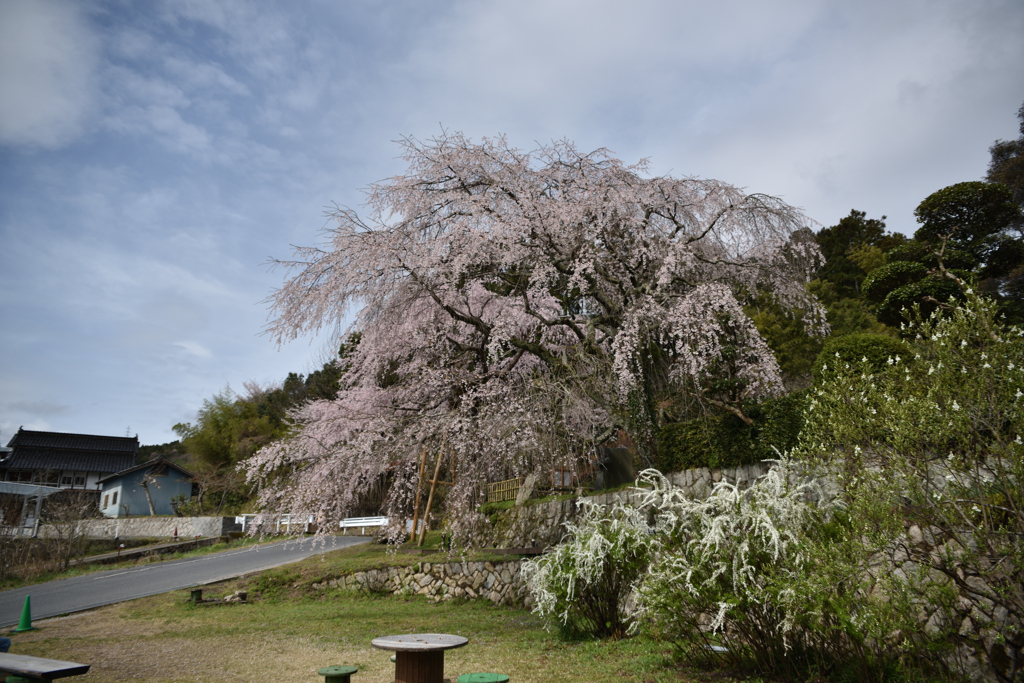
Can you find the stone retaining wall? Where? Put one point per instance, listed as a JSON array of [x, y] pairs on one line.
[[541, 525], [499, 582], [529, 525], [152, 527]]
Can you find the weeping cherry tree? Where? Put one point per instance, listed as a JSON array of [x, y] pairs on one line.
[[516, 309]]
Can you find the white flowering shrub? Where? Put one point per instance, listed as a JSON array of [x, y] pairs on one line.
[[724, 577], [774, 577], [934, 440], [583, 584]]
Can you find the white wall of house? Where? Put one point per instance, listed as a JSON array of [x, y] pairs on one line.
[[79, 480], [65, 479], [111, 500]]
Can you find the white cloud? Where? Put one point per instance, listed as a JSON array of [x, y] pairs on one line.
[[134, 87], [261, 39], [195, 348], [48, 58], [204, 76], [168, 126], [10, 427], [556, 63]]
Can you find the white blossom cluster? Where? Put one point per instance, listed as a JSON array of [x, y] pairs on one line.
[[731, 550], [598, 543], [718, 556]]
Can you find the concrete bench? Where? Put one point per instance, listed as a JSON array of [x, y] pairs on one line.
[[361, 523], [39, 669]]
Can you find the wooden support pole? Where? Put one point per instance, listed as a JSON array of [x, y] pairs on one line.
[[433, 486], [419, 487]]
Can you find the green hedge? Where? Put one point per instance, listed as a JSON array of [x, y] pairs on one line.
[[726, 441], [922, 253], [853, 348], [924, 293], [884, 279]]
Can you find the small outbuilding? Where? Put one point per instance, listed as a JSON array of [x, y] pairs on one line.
[[145, 489]]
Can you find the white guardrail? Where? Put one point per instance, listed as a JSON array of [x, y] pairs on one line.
[[361, 523], [282, 521]]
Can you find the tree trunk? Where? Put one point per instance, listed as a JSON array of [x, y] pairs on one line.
[[149, 499], [433, 486]]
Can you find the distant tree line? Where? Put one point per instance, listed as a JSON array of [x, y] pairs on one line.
[[230, 427]]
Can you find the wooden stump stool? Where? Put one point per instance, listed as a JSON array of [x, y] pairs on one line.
[[337, 674], [483, 678], [419, 657]]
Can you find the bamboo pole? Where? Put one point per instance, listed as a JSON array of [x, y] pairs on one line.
[[419, 487], [433, 486]]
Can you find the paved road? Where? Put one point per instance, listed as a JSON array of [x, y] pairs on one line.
[[116, 585]]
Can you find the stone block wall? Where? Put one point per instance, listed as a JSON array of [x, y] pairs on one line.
[[526, 526], [499, 582], [541, 525], [153, 527], [987, 640]]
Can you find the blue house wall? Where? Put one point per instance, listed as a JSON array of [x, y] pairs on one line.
[[130, 496]]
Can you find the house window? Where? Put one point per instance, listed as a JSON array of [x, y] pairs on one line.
[[115, 498], [79, 481], [105, 501], [65, 481], [561, 479]]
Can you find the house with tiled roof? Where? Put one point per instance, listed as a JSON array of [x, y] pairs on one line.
[[149, 488], [71, 461]]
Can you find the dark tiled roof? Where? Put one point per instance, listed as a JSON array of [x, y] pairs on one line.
[[81, 461], [79, 452], [26, 438], [158, 462]]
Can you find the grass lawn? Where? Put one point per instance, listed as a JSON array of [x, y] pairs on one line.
[[288, 631]]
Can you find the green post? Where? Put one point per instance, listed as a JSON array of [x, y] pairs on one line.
[[26, 617], [337, 674]]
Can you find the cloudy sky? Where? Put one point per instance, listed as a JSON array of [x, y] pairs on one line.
[[154, 155]]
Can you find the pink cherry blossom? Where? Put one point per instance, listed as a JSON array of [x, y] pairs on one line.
[[508, 305]]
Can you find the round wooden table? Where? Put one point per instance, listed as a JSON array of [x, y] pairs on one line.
[[419, 657]]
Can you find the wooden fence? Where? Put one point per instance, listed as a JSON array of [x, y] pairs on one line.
[[503, 490]]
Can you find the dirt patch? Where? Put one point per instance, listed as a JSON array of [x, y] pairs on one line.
[[121, 649]]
